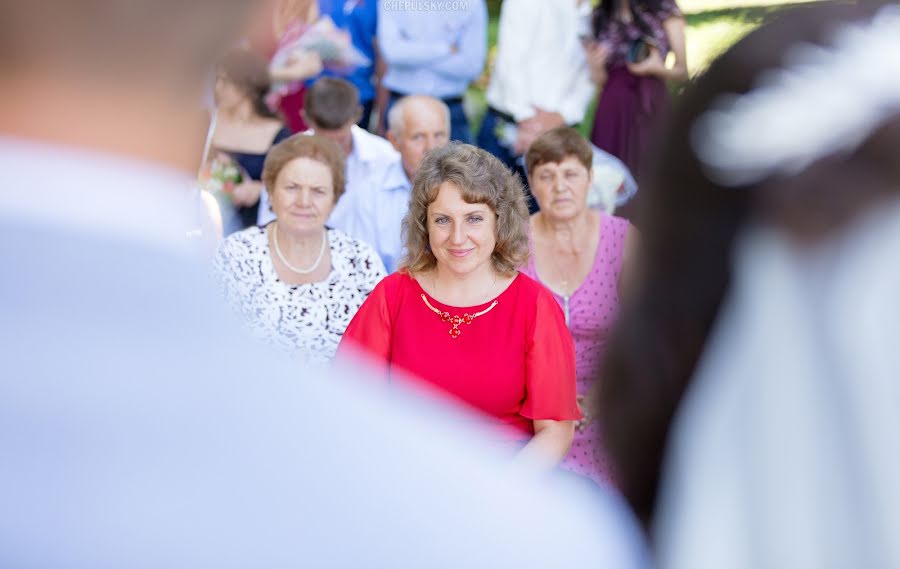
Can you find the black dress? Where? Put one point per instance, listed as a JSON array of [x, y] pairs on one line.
[[253, 165]]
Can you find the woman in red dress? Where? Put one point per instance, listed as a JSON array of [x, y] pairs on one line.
[[460, 317]]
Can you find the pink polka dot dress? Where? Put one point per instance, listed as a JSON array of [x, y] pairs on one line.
[[592, 310]]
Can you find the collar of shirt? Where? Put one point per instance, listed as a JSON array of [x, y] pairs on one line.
[[94, 192], [395, 178], [367, 147]]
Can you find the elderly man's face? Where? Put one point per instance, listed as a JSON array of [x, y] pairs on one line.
[[425, 127]]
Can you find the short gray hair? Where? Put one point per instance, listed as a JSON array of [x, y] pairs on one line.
[[396, 117]]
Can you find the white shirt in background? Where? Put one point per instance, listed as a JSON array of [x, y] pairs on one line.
[[540, 61]]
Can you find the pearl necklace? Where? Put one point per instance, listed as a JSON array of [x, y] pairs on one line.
[[315, 264]]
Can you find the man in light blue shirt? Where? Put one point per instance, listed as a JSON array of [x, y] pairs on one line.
[[434, 48], [417, 124]]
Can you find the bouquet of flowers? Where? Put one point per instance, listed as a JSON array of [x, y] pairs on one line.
[[220, 175], [332, 45]]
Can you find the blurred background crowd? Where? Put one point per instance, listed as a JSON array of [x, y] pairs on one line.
[[518, 282]]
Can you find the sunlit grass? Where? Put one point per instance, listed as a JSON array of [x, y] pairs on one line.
[[707, 41]]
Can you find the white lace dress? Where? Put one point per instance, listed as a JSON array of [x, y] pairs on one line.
[[306, 320]]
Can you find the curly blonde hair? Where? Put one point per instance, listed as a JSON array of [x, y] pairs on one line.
[[481, 178]]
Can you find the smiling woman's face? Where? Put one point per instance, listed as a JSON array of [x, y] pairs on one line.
[[303, 196], [561, 188], [462, 235]]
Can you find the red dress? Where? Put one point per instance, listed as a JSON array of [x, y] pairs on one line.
[[515, 363]]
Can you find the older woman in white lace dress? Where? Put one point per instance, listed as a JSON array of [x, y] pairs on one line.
[[295, 282]]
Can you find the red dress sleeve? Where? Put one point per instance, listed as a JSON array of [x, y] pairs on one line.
[[550, 365], [368, 337]]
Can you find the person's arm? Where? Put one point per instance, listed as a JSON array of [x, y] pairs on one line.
[[298, 67], [549, 445], [467, 60], [596, 54], [550, 386], [655, 63], [397, 49], [367, 338], [674, 28], [246, 193], [382, 96]]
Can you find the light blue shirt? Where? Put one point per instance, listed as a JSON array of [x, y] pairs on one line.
[[416, 43], [378, 214]]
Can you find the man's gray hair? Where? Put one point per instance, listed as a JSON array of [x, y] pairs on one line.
[[397, 115]]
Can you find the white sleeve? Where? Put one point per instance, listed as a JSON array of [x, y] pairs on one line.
[[573, 106], [510, 87]]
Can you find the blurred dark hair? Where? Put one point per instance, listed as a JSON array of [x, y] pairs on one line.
[[332, 103], [249, 72], [689, 225]]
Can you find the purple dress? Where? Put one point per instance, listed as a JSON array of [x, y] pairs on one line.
[[630, 106], [592, 309]]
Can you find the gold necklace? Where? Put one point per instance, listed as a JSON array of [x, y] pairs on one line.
[[455, 320]]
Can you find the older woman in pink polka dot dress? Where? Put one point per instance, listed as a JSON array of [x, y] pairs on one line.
[[578, 254]]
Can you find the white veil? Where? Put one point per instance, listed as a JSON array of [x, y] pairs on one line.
[[785, 451]]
